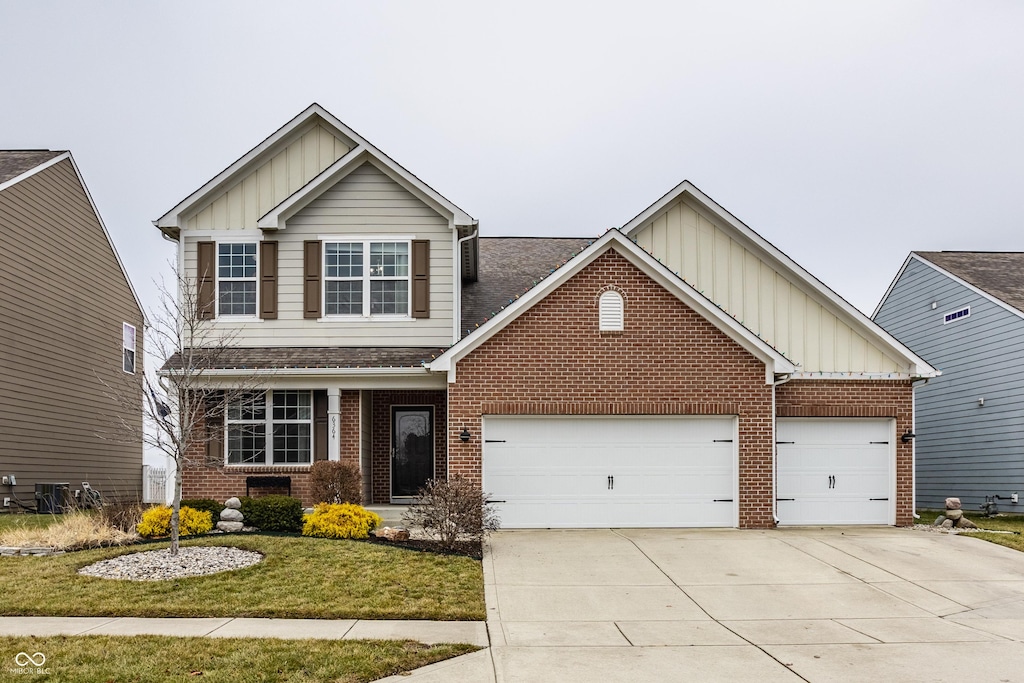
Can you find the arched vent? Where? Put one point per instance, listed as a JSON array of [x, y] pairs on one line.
[[610, 311]]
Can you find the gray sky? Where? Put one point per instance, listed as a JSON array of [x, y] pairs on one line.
[[846, 133]]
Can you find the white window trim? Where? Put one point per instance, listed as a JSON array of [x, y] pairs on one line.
[[366, 278], [135, 341], [268, 423], [947, 321], [256, 279]]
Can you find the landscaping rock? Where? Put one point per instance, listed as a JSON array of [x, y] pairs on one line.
[[233, 504], [952, 503], [231, 515], [954, 514], [160, 565], [939, 520], [230, 526], [947, 524], [965, 523], [392, 534]]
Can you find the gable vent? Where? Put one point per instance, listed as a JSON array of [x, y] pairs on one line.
[[611, 308], [952, 316]]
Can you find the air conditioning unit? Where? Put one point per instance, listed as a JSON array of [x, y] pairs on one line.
[[53, 498]]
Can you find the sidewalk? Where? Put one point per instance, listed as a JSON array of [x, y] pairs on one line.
[[429, 632]]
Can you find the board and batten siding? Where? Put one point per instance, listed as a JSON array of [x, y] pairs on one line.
[[63, 299], [242, 204], [759, 295], [963, 449], [366, 202]]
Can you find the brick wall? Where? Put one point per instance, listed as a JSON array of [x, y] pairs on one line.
[[669, 360], [860, 398], [383, 400]]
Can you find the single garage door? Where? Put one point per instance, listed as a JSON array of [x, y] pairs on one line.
[[835, 471], [636, 471]]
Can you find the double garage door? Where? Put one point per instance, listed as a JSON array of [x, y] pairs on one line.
[[653, 471]]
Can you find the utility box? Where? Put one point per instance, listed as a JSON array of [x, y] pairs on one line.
[[53, 498]]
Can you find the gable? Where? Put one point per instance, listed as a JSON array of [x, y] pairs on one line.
[[770, 299], [240, 205]]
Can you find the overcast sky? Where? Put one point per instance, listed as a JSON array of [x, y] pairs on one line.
[[845, 133]]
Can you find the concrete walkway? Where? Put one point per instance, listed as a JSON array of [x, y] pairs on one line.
[[849, 604], [429, 632]]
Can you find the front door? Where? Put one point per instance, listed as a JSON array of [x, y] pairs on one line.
[[412, 450]]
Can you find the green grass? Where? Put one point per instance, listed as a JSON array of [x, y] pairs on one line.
[[9, 522], [299, 578], [86, 659], [1014, 523]]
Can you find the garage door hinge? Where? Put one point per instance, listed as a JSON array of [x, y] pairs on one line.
[[878, 499], [778, 442], [494, 440], [723, 500], [785, 499], [723, 441], [878, 442]]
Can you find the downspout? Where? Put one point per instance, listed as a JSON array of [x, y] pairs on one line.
[[775, 449], [913, 448]]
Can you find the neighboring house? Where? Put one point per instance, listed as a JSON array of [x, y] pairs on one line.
[[964, 312], [641, 378], [71, 335]]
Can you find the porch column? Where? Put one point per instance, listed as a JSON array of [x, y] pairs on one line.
[[333, 423]]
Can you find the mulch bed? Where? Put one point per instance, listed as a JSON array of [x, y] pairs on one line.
[[465, 548]]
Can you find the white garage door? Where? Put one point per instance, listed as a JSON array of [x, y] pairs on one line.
[[575, 472], [835, 471]]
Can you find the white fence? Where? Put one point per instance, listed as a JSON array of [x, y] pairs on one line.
[[154, 484]]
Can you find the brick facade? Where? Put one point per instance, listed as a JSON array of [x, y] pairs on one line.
[[553, 360], [381, 448]]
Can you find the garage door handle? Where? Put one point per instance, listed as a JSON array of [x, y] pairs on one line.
[[611, 483], [723, 500], [878, 499]]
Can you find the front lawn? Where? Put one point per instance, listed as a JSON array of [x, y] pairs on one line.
[[10, 522], [85, 659], [299, 578], [1011, 523]]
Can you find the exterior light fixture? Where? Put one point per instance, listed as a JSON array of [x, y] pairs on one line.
[[464, 436], [908, 436]]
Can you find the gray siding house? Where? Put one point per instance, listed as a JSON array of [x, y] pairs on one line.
[[964, 313], [70, 323]]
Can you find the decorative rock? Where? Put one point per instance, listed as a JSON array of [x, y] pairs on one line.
[[230, 526], [948, 524], [952, 503], [965, 523], [939, 520], [160, 565], [231, 515], [233, 503], [392, 534], [954, 514]]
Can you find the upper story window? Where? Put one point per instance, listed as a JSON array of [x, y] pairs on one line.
[[279, 436], [236, 278], [952, 316], [611, 311], [366, 278], [128, 348]]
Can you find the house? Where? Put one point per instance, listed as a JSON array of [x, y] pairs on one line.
[[964, 312], [71, 336], [641, 378]]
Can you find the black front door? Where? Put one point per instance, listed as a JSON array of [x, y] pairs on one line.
[[412, 450]]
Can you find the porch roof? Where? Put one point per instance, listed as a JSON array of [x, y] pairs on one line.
[[329, 357]]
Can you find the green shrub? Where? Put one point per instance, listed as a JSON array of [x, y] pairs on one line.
[[156, 521], [205, 505], [335, 482], [332, 520], [273, 513]]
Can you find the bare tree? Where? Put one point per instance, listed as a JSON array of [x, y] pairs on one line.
[[184, 401]]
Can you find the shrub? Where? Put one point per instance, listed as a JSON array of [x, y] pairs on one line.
[[121, 514], [452, 510], [333, 520], [156, 521], [273, 513], [205, 505], [335, 482]]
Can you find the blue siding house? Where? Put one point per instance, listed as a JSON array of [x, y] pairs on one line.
[[963, 312]]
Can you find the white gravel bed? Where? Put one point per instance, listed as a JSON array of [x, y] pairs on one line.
[[160, 565], [957, 530]]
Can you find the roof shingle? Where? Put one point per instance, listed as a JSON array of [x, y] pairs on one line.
[[14, 162], [289, 357], [1000, 273]]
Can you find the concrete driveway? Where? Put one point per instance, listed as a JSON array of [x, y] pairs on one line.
[[849, 604]]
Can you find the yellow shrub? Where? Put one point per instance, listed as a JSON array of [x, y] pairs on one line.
[[330, 520], [156, 521]]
